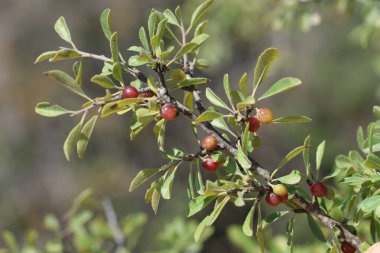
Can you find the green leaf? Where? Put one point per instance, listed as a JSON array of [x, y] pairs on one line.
[[114, 47], [167, 186], [376, 111], [201, 27], [290, 232], [10, 241], [141, 177], [221, 124], [188, 101], [187, 48], [85, 136], [373, 162], [262, 66], [156, 39], [227, 89], [243, 159], [172, 19], [117, 71], [47, 110], [319, 156], [293, 178], [200, 39], [104, 81], [65, 54], [71, 140], [159, 131], [137, 60], [282, 85], [217, 210], [360, 137], [243, 84], [166, 53], [315, 228], [190, 82], [67, 81], [201, 228], [155, 200], [248, 222], [370, 204], [198, 204], [288, 158], [306, 156], [259, 231], [143, 39], [208, 116], [292, 119], [105, 21], [199, 186], [268, 220], [63, 31], [249, 101], [213, 98], [199, 12], [51, 223], [44, 56], [78, 71], [152, 23]]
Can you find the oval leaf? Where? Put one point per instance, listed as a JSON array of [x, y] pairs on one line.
[[63, 31], [71, 140], [141, 177], [103, 81], [213, 98], [85, 136], [67, 81], [47, 110], [293, 178], [105, 21], [262, 66], [370, 204], [208, 116], [292, 119], [282, 85]]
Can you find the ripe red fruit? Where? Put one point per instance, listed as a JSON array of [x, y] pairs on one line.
[[318, 189], [264, 115], [254, 124], [209, 165], [272, 199], [283, 198], [209, 143], [129, 92], [347, 248], [168, 112]]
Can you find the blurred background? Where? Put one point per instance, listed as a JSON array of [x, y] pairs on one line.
[[329, 45]]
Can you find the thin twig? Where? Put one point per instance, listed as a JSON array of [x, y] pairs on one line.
[[113, 223]]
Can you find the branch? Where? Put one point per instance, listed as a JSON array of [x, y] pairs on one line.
[[113, 223]]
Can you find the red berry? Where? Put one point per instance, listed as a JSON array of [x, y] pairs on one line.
[[209, 143], [168, 112], [272, 199], [254, 124], [283, 198], [318, 189], [264, 115], [347, 248], [209, 165], [129, 92]]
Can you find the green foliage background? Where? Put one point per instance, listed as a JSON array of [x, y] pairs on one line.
[[340, 79]]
